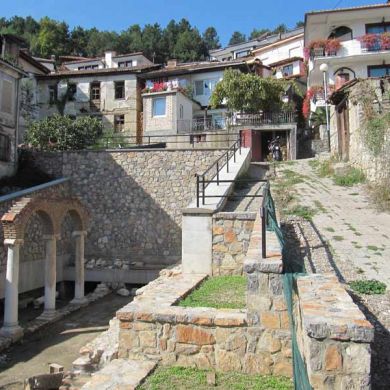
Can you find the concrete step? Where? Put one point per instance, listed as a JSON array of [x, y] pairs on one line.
[[120, 374]]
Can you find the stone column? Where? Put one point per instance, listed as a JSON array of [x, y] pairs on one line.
[[50, 275], [79, 297], [11, 327]]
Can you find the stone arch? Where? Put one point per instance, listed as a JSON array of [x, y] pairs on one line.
[[343, 33]]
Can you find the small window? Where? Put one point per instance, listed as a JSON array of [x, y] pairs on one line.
[[72, 89], [125, 64], [52, 94], [88, 67], [119, 123], [241, 54], [288, 70], [119, 90], [7, 97], [95, 91], [377, 28], [159, 106], [181, 111], [5, 148], [379, 71], [199, 88]]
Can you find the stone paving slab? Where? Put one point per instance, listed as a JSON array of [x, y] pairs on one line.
[[120, 374]]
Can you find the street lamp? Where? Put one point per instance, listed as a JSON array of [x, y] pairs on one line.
[[324, 69]]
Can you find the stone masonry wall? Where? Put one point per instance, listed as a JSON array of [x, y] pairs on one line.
[[135, 198], [231, 235], [152, 328], [333, 335]]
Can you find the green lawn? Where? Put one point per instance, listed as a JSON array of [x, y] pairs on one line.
[[191, 378], [221, 292]]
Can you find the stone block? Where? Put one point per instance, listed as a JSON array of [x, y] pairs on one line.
[[194, 335], [270, 320], [333, 359], [147, 339], [227, 361]]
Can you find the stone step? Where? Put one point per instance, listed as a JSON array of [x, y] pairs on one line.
[[120, 374]]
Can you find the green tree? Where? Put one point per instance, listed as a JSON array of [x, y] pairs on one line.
[[258, 32], [282, 28], [189, 46], [300, 24], [152, 42], [79, 39], [236, 38], [53, 38], [130, 40], [211, 39], [64, 133], [247, 93]]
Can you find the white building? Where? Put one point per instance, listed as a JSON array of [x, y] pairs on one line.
[[177, 98], [108, 88], [353, 42], [284, 55]]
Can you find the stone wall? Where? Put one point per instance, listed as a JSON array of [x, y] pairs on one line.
[[152, 328], [231, 235], [135, 198], [333, 335]]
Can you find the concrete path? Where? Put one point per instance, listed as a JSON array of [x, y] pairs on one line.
[[358, 235], [58, 343]]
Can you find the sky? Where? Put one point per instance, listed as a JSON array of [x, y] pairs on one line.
[[225, 15]]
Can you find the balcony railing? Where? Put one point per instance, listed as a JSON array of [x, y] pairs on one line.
[[199, 125], [263, 119]]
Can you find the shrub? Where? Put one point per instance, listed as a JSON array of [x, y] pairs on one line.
[[352, 177], [369, 287], [64, 133]]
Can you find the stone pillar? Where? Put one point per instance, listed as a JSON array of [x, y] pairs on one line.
[[50, 275], [79, 297], [11, 327]]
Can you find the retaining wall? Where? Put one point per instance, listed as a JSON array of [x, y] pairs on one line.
[[135, 198]]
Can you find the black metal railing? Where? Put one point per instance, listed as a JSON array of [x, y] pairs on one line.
[[192, 140], [196, 125], [265, 118]]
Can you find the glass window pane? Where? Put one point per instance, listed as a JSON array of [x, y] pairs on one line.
[[199, 87], [378, 72], [159, 106]]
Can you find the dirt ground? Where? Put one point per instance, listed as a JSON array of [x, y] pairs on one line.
[[58, 343]]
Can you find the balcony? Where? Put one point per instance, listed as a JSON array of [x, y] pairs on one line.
[[263, 119], [200, 125]]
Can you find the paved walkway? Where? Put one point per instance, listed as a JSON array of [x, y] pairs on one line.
[[58, 343], [356, 233]]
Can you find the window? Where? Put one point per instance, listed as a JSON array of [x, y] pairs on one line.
[[5, 148], [205, 87], [377, 28], [52, 94], [288, 70], [119, 123], [241, 54], [159, 106], [72, 89], [7, 97], [119, 90], [379, 71], [181, 111], [88, 67], [95, 91], [342, 33], [125, 64], [197, 138]]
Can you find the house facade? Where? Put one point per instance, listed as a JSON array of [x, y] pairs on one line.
[[176, 99], [352, 42], [10, 78], [284, 55], [108, 88]]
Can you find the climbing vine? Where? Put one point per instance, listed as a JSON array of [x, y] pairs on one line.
[[376, 124]]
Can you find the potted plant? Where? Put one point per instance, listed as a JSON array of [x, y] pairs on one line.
[[370, 42], [317, 48], [332, 46], [385, 41]]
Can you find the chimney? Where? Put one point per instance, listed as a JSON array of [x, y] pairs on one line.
[[172, 63], [108, 58]]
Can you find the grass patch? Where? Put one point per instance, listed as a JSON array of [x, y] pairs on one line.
[[322, 168], [369, 287], [221, 292], [350, 178], [380, 196], [372, 248], [360, 271], [191, 378], [302, 211], [338, 238], [330, 229], [320, 206]]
